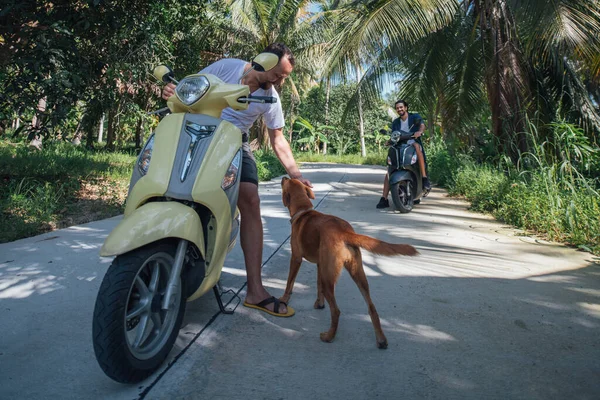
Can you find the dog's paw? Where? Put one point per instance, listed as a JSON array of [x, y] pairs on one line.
[[382, 344], [319, 306]]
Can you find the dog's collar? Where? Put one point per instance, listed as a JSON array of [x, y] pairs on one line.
[[298, 213]]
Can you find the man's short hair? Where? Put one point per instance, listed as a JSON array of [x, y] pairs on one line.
[[403, 102], [280, 50]]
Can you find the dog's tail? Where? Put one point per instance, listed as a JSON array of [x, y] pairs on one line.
[[378, 246]]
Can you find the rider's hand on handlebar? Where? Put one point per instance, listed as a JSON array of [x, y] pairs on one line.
[[417, 134], [168, 91]]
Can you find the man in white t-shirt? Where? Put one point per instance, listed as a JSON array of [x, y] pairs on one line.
[[261, 84]]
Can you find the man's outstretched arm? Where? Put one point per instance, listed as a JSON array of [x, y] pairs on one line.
[[284, 154]]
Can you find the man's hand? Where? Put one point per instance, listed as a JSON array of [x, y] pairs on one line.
[[168, 91], [417, 134], [302, 179]]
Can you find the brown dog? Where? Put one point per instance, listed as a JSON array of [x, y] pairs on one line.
[[330, 242]]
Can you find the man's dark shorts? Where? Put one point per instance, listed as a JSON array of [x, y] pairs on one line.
[[249, 170]]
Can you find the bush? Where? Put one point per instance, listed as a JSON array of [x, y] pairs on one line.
[[356, 159], [482, 185], [532, 202], [440, 162], [268, 165]]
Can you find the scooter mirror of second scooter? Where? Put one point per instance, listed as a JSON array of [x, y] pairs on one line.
[[180, 221]]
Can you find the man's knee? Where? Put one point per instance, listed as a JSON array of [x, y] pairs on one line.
[[248, 199]]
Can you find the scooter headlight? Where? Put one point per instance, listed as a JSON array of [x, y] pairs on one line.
[[232, 172], [191, 89], [146, 155], [395, 136]]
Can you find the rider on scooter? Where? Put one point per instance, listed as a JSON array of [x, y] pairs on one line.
[[407, 122]]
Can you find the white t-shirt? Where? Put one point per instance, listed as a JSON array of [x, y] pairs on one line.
[[230, 70], [404, 127]]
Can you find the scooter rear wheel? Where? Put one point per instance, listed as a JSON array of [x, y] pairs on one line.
[[402, 196], [132, 335]]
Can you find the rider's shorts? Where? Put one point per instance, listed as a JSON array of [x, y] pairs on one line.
[[249, 170]]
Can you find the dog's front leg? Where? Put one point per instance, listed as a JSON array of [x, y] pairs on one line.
[[295, 262]]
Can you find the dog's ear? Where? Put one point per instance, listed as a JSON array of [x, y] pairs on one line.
[[286, 198], [309, 192]]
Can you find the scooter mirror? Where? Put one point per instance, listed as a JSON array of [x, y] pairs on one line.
[[265, 62], [163, 73], [383, 131]]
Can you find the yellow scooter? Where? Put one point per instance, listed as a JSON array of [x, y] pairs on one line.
[[180, 222]]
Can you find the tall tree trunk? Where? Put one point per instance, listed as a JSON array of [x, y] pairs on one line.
[[138, 133], [36, 122], [16, 123], [259, 135], [505, 82], [326, 112], [101, 128], [363, 149], [110, 136], [292, 119]]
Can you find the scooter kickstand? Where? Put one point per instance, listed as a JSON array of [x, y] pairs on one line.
[[219, 293]]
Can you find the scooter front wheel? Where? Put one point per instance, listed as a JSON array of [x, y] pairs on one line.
[[132, 335], [402, 196]]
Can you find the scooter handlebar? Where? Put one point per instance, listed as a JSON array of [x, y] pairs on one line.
[[258, 99], [400, 136]]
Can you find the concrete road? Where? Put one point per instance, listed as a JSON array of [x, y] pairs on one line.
[[484, 312]]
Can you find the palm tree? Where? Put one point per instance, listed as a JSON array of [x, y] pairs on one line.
[[518, 56], [362, 30], [253, 25]]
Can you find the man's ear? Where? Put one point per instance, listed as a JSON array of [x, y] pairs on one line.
[[309, 193]]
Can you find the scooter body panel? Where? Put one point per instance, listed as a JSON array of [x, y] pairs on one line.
[[401, 175], [405, 171], [156, 182], [186, 165], [152, 222]]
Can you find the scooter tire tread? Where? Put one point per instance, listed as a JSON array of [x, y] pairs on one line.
[[396, 198], [110, 348]]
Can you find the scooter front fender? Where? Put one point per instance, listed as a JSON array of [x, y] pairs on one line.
[[152, 222], [400, 175]]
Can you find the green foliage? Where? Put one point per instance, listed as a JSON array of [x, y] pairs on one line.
[[59, 186], [95, 57], [483, 185], [65, 185], [544, 192], [342, 133], [268, 165], [357, 159], [316, 134], [62, 159]]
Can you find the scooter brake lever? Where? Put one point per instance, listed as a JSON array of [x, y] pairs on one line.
[[160, 112]]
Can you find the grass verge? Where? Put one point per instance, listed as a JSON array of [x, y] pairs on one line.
[[64, 185]]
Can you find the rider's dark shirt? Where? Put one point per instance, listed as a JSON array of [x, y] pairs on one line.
[[414, 122]]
